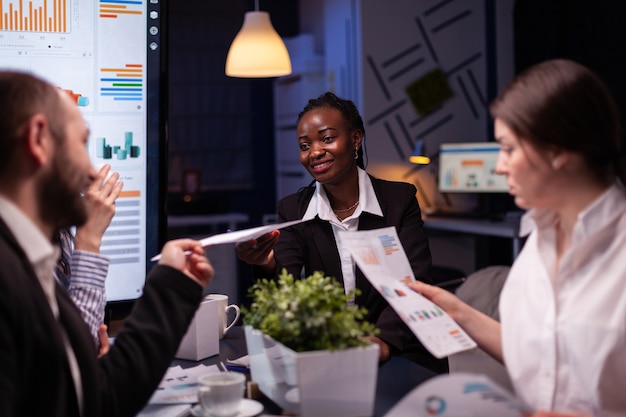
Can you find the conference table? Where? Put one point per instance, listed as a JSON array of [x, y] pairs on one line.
[[396, 377]]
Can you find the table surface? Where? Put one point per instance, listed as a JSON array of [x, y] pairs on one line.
[[396, 377]]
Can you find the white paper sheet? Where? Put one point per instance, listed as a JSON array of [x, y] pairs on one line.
[[459, 394], [165, 410], [180, 385], [239, 235], [381, 257]]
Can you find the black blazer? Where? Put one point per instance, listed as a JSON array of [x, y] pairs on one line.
[[311, 245], [35, 379]]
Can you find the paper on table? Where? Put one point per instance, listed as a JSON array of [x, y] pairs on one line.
[[239, 235], [459, 394], [165, 410], [381, 257], [180, 386]]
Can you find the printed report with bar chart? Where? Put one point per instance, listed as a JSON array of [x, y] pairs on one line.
[[105, 54], [380, 256]]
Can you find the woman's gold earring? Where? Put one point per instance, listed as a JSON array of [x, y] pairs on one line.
[[356, 153]]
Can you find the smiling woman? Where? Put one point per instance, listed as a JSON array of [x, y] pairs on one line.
[[343, 197]]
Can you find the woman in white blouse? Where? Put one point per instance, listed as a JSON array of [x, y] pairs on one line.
[[562, 334]]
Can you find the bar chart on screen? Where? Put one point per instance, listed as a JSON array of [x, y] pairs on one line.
[[124, 243], [97, 52], [36, 15]]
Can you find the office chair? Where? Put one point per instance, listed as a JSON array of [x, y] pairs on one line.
[[447, 277], [481, 290]]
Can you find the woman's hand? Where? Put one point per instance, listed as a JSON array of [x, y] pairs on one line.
[[103, 338], [480, 327], [443, 298], [258, 251], [557, 414], [100, 201], [383, 352]]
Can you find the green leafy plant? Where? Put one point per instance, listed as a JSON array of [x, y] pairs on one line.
[[307, 314]]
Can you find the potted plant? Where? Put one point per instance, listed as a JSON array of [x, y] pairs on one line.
[[307, 347]]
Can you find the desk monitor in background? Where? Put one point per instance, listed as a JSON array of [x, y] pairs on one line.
[[470, 168], [107, 55]]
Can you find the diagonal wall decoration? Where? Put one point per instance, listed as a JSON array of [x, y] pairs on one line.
[[422, 37]]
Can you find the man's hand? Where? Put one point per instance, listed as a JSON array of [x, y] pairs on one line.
[[187, 255]]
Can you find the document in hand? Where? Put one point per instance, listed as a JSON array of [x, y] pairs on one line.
[[239, 235], [381, 257], [459, 394]]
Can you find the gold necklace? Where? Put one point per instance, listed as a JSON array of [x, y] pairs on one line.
[[348, 209]]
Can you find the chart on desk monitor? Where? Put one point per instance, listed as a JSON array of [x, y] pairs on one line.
[[96, 51]]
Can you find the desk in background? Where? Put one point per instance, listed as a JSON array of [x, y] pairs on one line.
[[396, 377], [454, 240]]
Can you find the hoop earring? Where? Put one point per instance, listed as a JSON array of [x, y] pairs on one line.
[[356, 153]]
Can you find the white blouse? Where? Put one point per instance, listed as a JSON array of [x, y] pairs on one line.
[[564, 344]]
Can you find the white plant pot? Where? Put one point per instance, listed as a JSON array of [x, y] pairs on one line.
[[324, 383]]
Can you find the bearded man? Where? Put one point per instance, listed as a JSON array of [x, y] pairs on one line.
[[48, 361]]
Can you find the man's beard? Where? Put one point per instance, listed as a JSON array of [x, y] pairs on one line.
[[60, 199]]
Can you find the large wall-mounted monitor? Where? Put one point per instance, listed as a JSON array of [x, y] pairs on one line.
[[107, 54], [470, 168]]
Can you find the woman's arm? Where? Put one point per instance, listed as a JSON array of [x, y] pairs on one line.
[[480, 327]]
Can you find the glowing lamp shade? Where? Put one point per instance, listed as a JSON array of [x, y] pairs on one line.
[[418, 156], [257, 51]]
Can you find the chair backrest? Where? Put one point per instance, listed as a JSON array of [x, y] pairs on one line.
[[446, 277], [481, 290]]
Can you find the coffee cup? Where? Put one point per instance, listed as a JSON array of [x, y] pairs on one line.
[[222, 312], [220, 394]]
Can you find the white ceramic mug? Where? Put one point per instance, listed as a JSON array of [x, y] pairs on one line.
[[220, 394], [222, 312]]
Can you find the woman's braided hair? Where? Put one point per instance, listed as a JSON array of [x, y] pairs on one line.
[[349, 112]]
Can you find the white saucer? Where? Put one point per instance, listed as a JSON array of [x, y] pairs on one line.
[[247, 408]]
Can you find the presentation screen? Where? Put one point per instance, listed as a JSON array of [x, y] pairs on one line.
[[470, 168], [107, 55]]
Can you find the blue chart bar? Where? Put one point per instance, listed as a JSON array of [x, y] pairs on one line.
[[123, 84], [106, 151]]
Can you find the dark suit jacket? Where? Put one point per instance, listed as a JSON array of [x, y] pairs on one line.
[[311, 245], [35, 379]]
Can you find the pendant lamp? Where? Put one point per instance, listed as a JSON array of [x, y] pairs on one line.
[[257, 51]]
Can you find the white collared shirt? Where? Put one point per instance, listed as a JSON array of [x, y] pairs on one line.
[[564, 330], [43, 256], [320, 206]]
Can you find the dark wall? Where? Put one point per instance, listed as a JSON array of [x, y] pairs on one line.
[[222, 127], [591, 32], [218, 121]]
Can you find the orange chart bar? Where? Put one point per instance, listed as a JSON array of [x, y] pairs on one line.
[[112, 11], [34, 15], [130, 193]]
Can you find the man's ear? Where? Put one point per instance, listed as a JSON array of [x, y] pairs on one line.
[[38, 139]]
